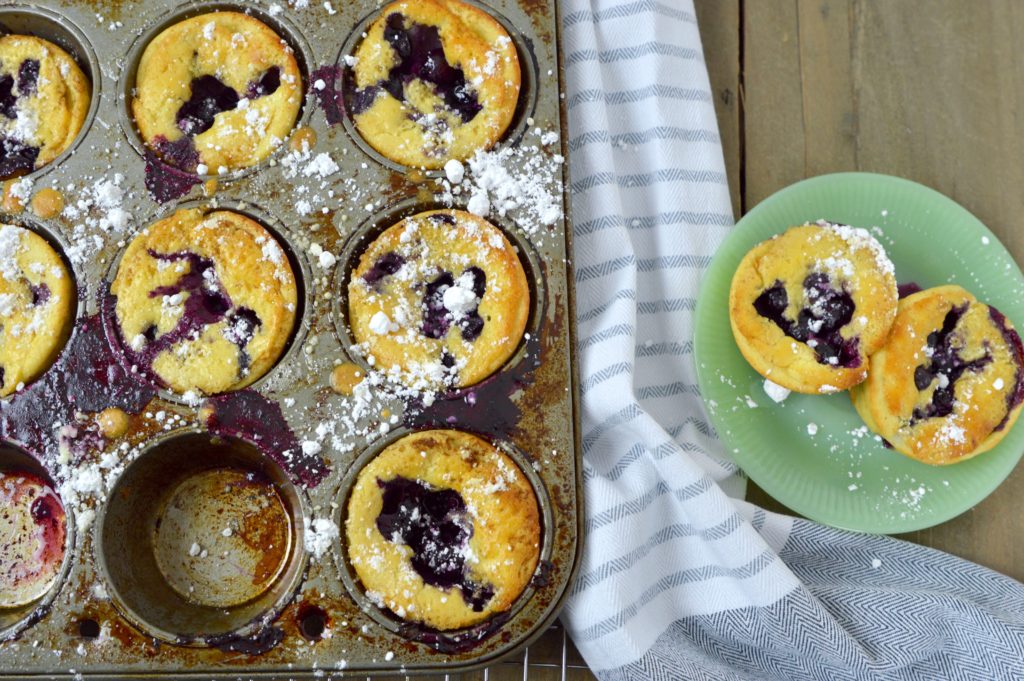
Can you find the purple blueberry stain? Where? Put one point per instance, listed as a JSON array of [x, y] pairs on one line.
[[1016, 396], [16, 158], [438, 319], [420, 57], [28, 77], [209, 97], [386, 265], [40, 294], [205, 302], [945, 366], [817, 324], [266, 84], [165, 182], [434, 523], [8, 99], [329, 96], [169, 172]]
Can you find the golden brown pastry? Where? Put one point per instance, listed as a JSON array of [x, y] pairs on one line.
[[947, 386], [443, 529], [439, 300], [205, 302], [434, 80], [810, 306]]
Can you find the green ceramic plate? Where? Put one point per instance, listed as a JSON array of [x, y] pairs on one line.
[[835, 471]]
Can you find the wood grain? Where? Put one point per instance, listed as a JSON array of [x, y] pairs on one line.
[[719, 22], [927, 90]]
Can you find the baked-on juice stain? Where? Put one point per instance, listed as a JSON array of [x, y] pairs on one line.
[[818, 324], [247, 415], [87, 377], [90, 376]]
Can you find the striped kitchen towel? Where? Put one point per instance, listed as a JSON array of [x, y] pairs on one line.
[[681, 579]]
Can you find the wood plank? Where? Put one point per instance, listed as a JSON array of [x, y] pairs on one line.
[[719, 22], [926, 90]]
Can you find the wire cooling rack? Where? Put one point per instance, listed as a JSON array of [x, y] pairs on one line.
[[552, 658]]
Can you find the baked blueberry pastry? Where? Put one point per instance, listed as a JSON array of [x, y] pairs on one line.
[[32, 528], [433, 80], [205, 302], [810, 306], [216, 92], [439, 300], [443, 529], [948, 385], [37, 307], [44, 99]]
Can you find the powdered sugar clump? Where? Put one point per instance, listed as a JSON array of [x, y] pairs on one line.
[[857, 238], [320, 534], [775, 391], [523, 183]]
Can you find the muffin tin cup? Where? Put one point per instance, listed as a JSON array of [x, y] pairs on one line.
[[49, 25], [529, 74], [365, 234], [156, 25], [291, 356], [178, 556], [59, 244], [308, 612], [15, 618], [452, 639]]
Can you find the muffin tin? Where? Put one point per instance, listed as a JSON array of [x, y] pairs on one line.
[[118, 606]]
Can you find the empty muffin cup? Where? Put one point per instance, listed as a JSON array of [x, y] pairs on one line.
[[35, 539], [202, 539]]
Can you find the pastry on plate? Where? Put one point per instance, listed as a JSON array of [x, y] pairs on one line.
[[205, 301], [216, 93], [37, 306], [810, 306], [433, 80], [948, 385], [443, 529], [439, 300], [44, 100]]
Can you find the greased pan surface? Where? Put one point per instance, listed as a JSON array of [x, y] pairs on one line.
[[115, 608]]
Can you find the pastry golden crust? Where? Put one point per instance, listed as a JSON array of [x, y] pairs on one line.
[[220, 90], [44, 97], [948, 385], [37, 306], [443, 529], [205, 301], [434, 80], [439, 300], [810, 306]]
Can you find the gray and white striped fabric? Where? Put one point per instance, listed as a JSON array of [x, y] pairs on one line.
[[681, 579]]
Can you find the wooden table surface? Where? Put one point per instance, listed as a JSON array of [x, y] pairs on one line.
[[929, 90]]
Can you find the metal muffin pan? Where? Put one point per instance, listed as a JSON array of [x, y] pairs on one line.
[[117, 609]]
